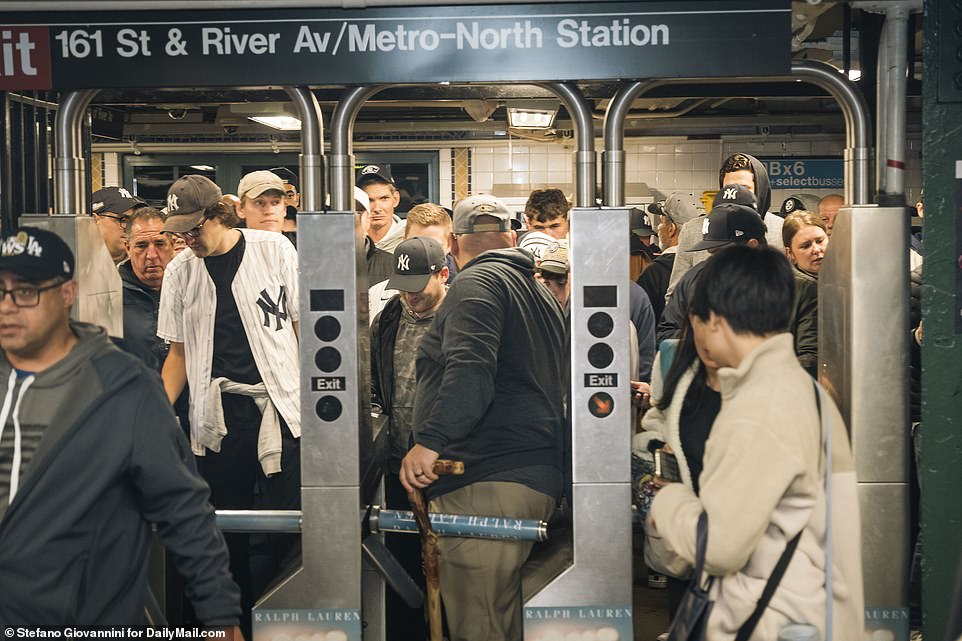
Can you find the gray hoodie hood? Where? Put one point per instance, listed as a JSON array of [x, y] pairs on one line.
[[763, 190]]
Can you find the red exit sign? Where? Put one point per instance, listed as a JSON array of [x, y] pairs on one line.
[[25, 58]]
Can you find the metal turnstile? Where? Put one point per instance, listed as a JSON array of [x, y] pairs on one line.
[[586, 585], [863, 355], [324, 596]]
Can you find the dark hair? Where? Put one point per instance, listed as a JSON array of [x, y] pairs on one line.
[[751, 288], [735, 162], [143, 214], [547, 204], [223, 213]]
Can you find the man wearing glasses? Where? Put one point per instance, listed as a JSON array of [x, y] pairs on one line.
[[229, 309], [90, 458], [111, 207]]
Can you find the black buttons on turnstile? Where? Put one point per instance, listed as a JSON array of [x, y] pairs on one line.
[[600, 324], [327, 359], [327, 328], [600, 354], [328, 408]]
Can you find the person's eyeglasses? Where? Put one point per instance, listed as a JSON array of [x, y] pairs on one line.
[[121, 220], [27, 296], [190, 233]]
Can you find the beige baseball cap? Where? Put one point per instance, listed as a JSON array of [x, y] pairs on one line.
[[256, 183]]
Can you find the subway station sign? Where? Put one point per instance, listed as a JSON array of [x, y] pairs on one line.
[[805, 173], [389, 45]]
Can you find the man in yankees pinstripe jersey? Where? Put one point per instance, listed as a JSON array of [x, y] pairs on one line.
[[229, 309]]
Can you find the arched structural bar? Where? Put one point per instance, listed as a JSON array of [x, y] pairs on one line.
[[70, 167], [311, 160], [849, 98], [585, 162], [342, 132]]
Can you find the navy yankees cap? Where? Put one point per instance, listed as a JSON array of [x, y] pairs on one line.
[[36, 255], [114, 200], [735, 195], [730, 223], [415, 261]]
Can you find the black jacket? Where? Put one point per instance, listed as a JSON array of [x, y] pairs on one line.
[[804, 325], [74, 541], [141, 306], [491, 372], [383, 332], [654, 280]]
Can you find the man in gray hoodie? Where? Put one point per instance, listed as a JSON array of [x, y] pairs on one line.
[[90, 458]]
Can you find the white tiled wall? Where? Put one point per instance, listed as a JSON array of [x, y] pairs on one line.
[[663, 164]]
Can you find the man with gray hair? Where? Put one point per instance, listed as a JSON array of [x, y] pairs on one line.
[[491, 394]]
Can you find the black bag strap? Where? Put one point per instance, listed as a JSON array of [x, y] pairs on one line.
[[749, 626], [701, 547]]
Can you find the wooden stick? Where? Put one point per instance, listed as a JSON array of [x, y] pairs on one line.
[[429, 550]]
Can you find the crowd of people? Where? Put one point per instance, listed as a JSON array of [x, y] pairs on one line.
[[198, 406]]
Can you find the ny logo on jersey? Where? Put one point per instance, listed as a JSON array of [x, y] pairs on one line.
[[729, 193], [276, 309], [403, 262]]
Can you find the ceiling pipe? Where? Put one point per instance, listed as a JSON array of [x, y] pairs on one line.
[[585, 163], [311, 159], [849, 98], [70, 166]]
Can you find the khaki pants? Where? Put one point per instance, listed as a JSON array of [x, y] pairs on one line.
[[481, 579]]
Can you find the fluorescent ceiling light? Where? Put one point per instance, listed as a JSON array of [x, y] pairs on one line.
[[281, 121], [202, 167], [531, 118]]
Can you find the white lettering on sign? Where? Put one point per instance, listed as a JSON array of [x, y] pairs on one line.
[[312, 41], [220, 42], [20, 62], [573, 33], [80, 44], [132, 43]]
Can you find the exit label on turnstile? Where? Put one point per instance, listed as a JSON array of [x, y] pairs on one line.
[[601, 380], [328, 384]]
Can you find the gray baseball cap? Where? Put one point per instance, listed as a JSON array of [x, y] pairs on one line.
[[468, 211], [188, 200], [682, 206]]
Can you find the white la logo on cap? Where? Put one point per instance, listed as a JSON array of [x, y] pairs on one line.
[[171, 203], [403, 262], [705, 225], [729, 193]]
